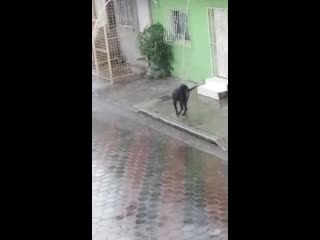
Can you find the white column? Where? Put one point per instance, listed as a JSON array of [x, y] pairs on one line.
[[144, 15]]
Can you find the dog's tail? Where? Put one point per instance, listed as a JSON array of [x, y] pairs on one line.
[[190, 89]]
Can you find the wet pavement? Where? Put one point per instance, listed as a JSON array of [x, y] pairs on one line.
[[206, 117], [204, 113], [99, 85], [148, 185]]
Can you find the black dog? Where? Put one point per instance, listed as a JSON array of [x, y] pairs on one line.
[[181, 95]]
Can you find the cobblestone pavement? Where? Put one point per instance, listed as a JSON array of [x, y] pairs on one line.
[[147, 185]]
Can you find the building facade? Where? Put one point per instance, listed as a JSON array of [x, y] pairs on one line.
[[115, 27], [198, 32]]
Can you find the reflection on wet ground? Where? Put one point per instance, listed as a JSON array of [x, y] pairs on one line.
[[146, 185]]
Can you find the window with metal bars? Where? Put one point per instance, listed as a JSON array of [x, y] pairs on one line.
[[125, 13], [177, 31]]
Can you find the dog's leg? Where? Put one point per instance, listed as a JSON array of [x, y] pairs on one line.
[[184, 101], [175, 106], [185, 109], [181, 106]]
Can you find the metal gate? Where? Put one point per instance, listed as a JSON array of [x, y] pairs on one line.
[[108, 62]]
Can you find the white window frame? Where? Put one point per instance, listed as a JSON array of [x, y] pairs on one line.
[[94, 12], [125, 13], [172, 35], [213, 42]]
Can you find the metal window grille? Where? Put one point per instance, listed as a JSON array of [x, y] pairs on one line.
[[125, 13], [177, 31]]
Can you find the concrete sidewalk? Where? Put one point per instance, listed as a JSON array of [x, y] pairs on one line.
[[206, 119]]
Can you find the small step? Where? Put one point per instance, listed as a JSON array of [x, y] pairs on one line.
[[215, 88], [216, 82], [212, 93], [127, 78], [142, 62], [134, 74]]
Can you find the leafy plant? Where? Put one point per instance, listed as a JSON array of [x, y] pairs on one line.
[[152, 44]]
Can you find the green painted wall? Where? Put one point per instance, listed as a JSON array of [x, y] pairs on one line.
[[197, 58]]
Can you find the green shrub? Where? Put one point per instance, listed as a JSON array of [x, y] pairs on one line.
[[152, 44]]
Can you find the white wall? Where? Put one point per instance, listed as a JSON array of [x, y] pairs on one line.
[[128, 37], [144, 15]]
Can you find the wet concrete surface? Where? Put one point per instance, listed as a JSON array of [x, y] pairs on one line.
[[205, 115], [139, 91], [149, 182], [99, 84]]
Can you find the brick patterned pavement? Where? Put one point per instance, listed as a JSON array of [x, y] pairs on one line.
[[146, 185]]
